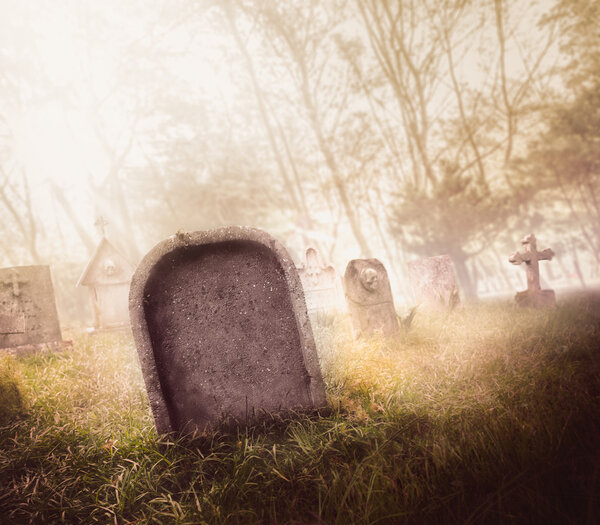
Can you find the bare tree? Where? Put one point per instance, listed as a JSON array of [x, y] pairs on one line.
[[299, 36]]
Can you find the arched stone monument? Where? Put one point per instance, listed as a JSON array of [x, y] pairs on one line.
[[221, 327], [369, 298]]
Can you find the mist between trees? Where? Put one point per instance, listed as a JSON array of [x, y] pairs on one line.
[[362, 127]]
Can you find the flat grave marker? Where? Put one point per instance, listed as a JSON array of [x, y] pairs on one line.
[[28, 316]]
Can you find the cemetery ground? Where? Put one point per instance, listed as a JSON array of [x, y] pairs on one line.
[[487, 414]]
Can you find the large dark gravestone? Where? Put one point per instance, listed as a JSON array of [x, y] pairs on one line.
[[28, 317], [221, 327]]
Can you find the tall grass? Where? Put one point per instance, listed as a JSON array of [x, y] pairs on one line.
[[11, 402], [490, 414]]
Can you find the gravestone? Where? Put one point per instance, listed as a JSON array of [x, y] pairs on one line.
[[534, 295], [320, 283], [222, 331], [107, 276], [433, 282], [28, 317], [369, 298]]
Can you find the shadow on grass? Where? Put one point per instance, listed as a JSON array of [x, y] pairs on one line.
[[11, 401], [497, 424]]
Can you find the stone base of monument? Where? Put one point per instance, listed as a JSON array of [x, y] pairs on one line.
[[35, 349], [537, 299]]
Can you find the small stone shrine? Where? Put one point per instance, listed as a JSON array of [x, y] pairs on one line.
[[322, 288], [222, 330], [28, 317], [433, 283], [107, 277], [369, 298], [534, 295]]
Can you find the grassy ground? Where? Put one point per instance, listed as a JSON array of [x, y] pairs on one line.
[[487, 415]]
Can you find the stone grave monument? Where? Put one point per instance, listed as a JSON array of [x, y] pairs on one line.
[[28, 317], [534, 295], [322, 287], [369, 298], [222, 331], [433, 283], [107, 276]]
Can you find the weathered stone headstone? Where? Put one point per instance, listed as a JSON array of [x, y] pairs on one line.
[[534, 295], [222, 331], [12, 323], [369, 298], [107, 277], [320, 283], [433, 283], [28, 317]]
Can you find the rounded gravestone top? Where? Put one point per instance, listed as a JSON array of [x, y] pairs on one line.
[[220, 324]]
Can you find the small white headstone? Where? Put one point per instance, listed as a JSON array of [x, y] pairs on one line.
[[321, 284], [107, 276]]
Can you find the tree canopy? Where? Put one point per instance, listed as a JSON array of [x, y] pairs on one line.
[[367, 128]]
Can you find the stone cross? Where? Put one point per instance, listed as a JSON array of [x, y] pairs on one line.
[[531, 258], [14, 282], [101, 224]]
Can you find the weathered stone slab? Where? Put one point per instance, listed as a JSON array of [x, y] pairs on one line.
[[12, 324], [222, 331], [369, 298], [433, 282], [27, 307], [321, 284]]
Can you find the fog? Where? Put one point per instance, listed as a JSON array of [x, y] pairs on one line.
[[364, 128]]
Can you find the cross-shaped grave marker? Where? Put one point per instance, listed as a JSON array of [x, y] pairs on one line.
[[101, 224], [14, 282], [534, 296]]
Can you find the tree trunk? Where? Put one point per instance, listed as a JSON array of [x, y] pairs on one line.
[[262, 107], [331, 163], [578, 267], [459, 260], [83, 235]]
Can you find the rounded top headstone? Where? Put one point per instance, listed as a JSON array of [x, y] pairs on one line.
[[222, 332]]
